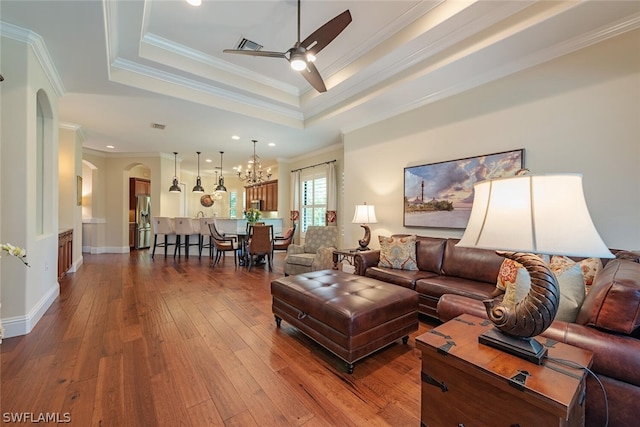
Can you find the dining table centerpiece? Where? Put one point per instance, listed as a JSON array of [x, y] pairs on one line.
[[252, 215]]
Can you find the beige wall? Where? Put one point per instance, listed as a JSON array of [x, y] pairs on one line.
[[69, 168], [26, 293], [579, 113]]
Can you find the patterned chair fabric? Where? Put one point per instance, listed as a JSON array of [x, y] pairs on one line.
[[315, 254]]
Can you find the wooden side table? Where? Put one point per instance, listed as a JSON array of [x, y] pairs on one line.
[[340, 255], [465, 383]]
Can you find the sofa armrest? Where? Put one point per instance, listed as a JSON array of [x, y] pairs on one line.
[[365, 259], [295, 249], [615, 356], [323, 259]]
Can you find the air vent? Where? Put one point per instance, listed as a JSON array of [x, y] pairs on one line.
[[157, 126], [246, 44]]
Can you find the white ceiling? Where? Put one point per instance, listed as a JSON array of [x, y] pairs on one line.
[[122, 65]]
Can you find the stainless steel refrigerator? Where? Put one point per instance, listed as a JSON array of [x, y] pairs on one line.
[[143, 222]]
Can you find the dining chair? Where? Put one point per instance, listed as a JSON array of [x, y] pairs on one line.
[[185, 228], [162, 226], [223, 244], [260, 244], [282, 243], [205, 236]]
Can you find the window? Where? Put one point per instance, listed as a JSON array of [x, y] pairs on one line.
[[314, 199], [233, 204]]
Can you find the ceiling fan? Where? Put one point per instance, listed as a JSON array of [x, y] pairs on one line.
[[302, 55]]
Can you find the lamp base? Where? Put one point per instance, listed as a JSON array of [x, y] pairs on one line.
[[525, 348], [364, 242]]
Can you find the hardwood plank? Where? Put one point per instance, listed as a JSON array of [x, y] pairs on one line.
[[169, 407], [291, 406], [79, 402], [138, 394], [109, 398], [205, 414]]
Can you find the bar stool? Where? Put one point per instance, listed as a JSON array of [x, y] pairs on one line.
[[205, 234], [162, 225], [186, 227]]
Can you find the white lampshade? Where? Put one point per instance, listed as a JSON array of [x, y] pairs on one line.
[[545, 214], [365, 214]]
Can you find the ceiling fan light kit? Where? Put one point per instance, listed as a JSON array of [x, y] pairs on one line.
[[302, 55]]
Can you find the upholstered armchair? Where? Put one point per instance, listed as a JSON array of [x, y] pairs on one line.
[[315, 254]]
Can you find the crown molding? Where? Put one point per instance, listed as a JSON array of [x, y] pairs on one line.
[[40, 50], [290, 115], [195, 55], [78, 129]]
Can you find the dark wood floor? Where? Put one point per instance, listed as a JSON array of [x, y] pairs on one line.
[[136, 342]]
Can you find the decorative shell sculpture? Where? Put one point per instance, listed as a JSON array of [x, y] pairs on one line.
[[535, 312]]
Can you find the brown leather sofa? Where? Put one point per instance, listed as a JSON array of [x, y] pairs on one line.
[[443, 268], [452, 281]]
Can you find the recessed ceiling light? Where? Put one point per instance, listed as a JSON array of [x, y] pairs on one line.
[[272, 144], [235, 137], [194, 2], [111, 147], [208, 160]]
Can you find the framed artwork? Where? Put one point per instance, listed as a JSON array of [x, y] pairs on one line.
[[440, 195], [78, 190]]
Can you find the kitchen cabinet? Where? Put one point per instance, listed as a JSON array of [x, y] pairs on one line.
[[138, 186], [267, 193]]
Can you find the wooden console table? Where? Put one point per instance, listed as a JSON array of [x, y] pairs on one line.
[[65, 251], [465, 383]]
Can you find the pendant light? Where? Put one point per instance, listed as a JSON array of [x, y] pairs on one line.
[[174, 187], [221, 188], [198, 187]]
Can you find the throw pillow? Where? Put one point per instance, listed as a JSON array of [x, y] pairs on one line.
[[398, 252], [589, 267], [572, 292], [509, 271]]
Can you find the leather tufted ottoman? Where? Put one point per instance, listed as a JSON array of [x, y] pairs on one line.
[[352, 316]]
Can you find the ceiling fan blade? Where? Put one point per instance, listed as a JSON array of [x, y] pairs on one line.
[[312, 75], [256, 53], [321, 37]]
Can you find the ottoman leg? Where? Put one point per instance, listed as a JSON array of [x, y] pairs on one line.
[[278, 321], [405, 339], [350, 368]]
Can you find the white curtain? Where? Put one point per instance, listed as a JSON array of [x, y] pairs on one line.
[[332, 194], [295, 206]]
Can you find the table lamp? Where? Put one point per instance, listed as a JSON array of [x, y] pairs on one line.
[[365, 214], [519, 217]]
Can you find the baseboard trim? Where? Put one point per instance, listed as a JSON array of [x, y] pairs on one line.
[[76, 265], [22, 325], [96, 250]]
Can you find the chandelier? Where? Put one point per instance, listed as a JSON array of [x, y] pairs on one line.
[[254, 175]]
